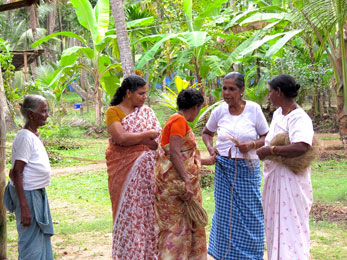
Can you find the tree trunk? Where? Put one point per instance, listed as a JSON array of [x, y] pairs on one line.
[[97, 101], [341, 91], [85, 95], [84, 83], [33, 26], [60, 30], [3, 216], [342, 121], [51, 18], [33, 21], [198, 78], [122, 37]]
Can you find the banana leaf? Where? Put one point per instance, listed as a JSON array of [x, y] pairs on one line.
[[48, 37], [86, 17]]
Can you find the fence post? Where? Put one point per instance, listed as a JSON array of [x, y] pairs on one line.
[[3, 216]]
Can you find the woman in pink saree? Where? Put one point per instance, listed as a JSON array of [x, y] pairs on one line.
[[287, 197], [130, 159]]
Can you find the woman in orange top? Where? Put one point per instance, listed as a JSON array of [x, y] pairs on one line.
[[133, 128], [179, 163]]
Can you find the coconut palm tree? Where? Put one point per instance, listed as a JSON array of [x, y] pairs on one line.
[[122, 37]]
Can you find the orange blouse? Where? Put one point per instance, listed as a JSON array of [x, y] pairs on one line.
[[176, 125], [114, 114]]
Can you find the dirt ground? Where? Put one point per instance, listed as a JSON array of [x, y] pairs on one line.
[[95, 246]]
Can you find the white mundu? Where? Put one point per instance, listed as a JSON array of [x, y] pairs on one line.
[[245, 127], [27, 147]]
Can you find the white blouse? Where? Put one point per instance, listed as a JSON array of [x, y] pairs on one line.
[[297, 124], [245, 127]]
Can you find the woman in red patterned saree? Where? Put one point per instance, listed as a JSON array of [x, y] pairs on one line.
[[130, 159], [178, 165]]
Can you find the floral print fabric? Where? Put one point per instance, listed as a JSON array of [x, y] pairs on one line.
[[177, 241], [131, 186], [287, 197]]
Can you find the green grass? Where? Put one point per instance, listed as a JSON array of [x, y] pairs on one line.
[[329, 138], [71, 97], [329, 181], [79, 148], [328, 241]]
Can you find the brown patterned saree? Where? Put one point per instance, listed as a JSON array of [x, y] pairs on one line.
[[178, 240]]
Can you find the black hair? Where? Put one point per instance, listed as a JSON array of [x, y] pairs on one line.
[[132, 83], [286, 84], [238, 77], [189, 98]]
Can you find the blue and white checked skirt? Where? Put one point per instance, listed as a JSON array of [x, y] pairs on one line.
[[246, 240]]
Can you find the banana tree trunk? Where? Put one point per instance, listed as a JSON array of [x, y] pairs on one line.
[[3, 216], [97, 102], [122, 37], [199, 79]]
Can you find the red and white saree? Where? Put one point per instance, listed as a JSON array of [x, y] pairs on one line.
[[131, 186]]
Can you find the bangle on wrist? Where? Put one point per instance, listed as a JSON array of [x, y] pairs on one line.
[[272, 149], [254, 145]]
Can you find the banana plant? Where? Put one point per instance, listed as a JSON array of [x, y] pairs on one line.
[[89, 56], [190, 49], [197, 52]]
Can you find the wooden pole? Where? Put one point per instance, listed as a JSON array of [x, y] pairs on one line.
[[26, 73], [3, 216]]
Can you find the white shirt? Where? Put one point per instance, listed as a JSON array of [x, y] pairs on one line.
[[27, 147], [245, 127], [297, 124]]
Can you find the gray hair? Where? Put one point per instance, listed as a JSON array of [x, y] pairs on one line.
[[31, 103], [238, 77]]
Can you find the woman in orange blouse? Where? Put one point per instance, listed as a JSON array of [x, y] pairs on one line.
[[179, 164], [133, 128]]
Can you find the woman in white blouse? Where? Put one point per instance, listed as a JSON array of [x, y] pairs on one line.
[[238, 224], [287, 196]]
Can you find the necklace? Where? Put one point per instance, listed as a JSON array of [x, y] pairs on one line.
[[291, 108], [237, 110]]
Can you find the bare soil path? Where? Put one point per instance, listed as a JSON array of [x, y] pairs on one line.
[[79, 168]]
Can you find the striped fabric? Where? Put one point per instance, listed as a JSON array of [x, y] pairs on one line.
[[246, 240]]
